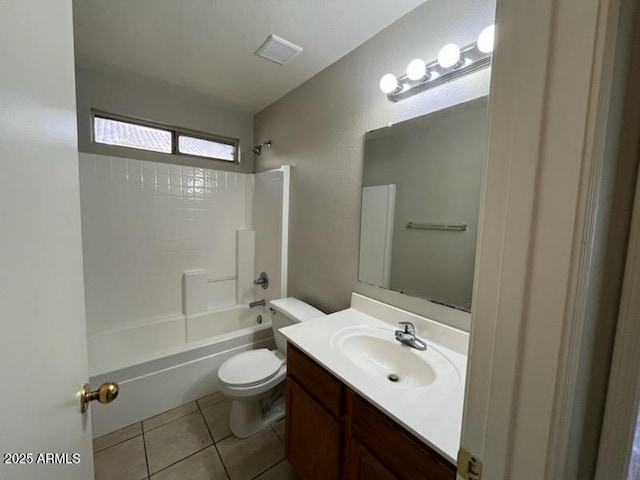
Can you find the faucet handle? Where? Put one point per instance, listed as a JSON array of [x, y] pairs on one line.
[[262, 280], [408, 327]]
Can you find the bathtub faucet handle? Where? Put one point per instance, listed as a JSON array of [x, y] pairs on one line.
[[262, 280]]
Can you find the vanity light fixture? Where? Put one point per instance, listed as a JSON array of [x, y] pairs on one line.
[[449, 56], [416, 70], [452, 62], [485, 39], [388, 83]]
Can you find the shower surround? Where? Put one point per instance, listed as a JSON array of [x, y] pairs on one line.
[[144, 224]]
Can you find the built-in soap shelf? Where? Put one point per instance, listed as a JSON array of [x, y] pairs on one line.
[[202, 291]]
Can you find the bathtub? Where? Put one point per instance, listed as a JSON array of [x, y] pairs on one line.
[[167, 362]]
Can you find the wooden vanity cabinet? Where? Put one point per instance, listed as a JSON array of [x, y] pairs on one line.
[[314, 430], [333, 433]]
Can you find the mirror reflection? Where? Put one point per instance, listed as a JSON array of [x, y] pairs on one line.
[[420, 202]]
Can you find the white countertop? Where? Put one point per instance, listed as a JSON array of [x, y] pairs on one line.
[[432, 414]]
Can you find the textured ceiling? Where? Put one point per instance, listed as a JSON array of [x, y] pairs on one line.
[[208, 46]]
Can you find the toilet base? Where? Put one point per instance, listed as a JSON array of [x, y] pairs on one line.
[[252, 415]]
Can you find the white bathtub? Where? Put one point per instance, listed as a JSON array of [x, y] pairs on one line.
[[168, 362]]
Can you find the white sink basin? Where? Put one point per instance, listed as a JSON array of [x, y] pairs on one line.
[[376, 352]]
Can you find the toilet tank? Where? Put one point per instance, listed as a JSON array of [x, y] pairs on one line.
[[287, 311]]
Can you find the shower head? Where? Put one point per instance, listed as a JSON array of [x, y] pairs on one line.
[[258, 148]]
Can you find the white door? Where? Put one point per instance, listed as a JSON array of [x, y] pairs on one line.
[[43, 357], [552, 120], [376, 234]]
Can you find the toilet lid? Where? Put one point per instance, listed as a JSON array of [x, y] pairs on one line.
[[249, 368]]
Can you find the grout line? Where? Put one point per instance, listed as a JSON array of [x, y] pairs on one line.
[[191, 454], [210, 404], [117, 443], [142, 429], [274, 430], [146, 459], [281, 460], [268, 468], [170, 421], [215, 444], [182, 459]]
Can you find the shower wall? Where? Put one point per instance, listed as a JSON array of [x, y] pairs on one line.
[[144, 224], [271, 223]]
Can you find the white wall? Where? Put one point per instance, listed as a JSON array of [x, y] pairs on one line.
[[318, 129], [149, 99], [144, 223], [268, 202], [436, 163]]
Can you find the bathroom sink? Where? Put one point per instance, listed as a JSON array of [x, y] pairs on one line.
[[375, 351]]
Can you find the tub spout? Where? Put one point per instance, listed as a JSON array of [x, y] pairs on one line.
[[258, 303]]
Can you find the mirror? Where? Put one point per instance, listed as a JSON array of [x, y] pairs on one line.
[[420, 203]]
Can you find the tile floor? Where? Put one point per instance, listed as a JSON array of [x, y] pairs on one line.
[[191, 442]]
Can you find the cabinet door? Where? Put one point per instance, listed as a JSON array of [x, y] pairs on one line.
[[393, 446], [360, 464], [313, 437]]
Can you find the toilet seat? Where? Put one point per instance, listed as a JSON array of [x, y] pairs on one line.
[[250, 368]]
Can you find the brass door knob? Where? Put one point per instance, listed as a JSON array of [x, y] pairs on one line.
[[106, 393]]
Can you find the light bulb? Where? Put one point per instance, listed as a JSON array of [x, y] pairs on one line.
[[485, 39], [449, 55], [416, 70], [388, 83]]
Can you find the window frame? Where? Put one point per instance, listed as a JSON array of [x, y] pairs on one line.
[[176, 132], [203, 136]]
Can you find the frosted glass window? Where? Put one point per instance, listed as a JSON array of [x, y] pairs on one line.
[[139, 135], [124, 134], [206, 148]]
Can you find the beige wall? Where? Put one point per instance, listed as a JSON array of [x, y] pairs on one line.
[[319, 129], [155, 101]]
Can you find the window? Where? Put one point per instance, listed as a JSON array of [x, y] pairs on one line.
[[206, 148], [125, 134], [129, 133]]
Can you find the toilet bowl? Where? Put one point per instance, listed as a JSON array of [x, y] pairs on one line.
[[254, 380]]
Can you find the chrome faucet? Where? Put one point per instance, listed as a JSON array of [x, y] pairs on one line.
[[258, 303], [408, 336]]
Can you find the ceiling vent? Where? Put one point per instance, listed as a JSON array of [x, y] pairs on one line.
[[278, 50]]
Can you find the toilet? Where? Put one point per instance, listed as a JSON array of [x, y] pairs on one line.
[[254, 380]]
